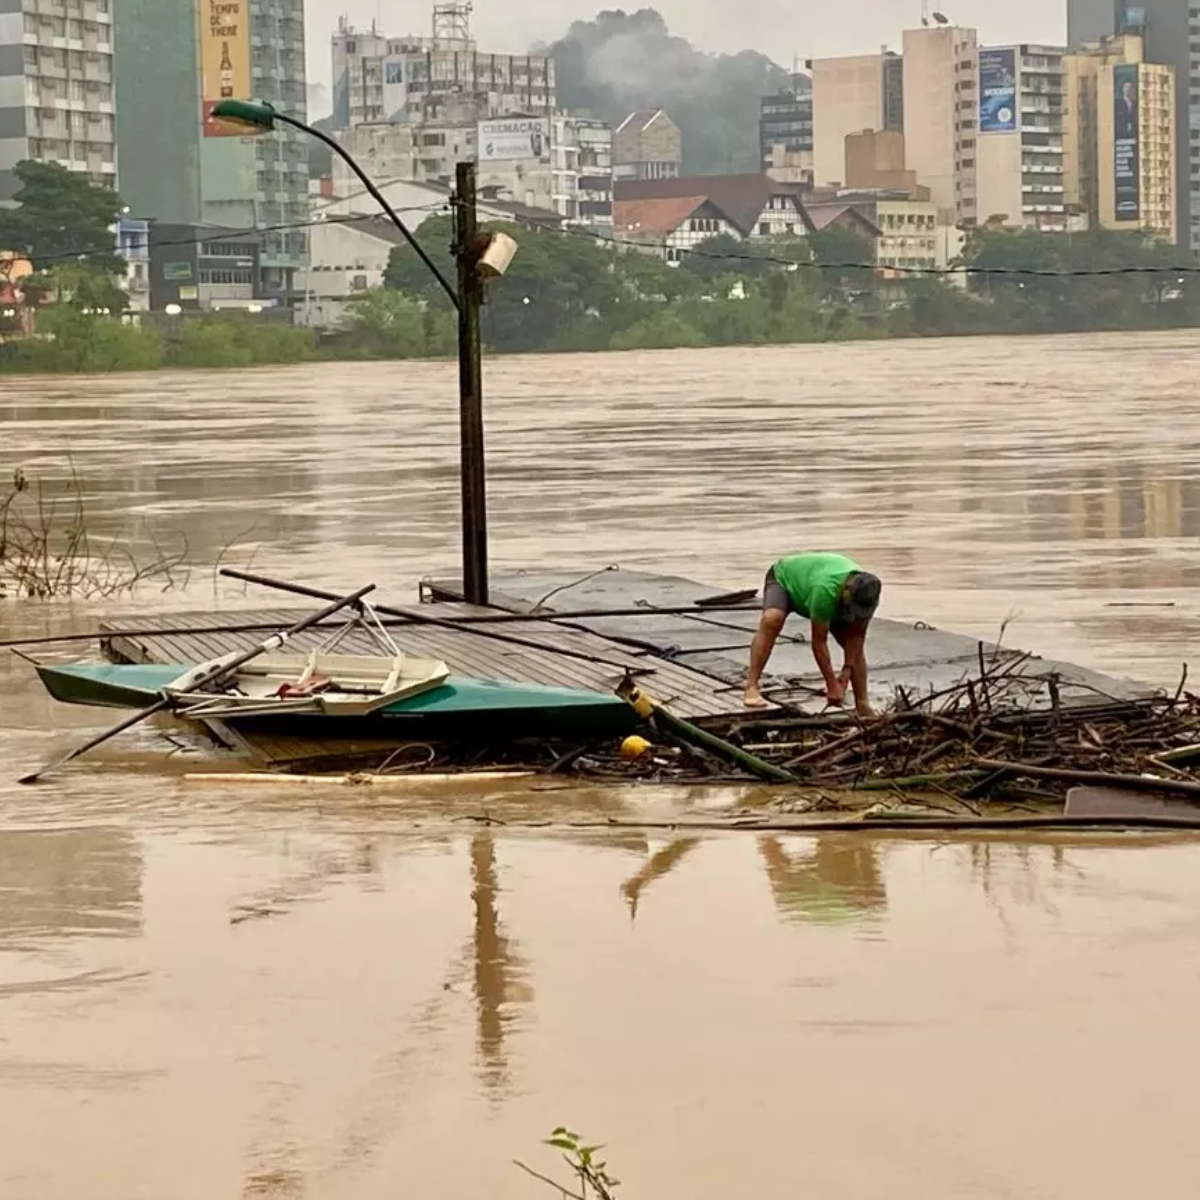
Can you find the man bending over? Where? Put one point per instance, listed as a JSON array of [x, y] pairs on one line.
[[836, 596]]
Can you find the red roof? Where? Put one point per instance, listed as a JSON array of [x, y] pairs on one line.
[[663, 216], [824, 215], [742, 198]]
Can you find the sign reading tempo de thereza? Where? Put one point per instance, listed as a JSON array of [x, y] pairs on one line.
[[224, 60]]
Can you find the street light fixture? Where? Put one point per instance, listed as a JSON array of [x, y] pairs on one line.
[[475, 258]]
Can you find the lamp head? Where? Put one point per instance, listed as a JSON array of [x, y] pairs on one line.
[[251, 116]]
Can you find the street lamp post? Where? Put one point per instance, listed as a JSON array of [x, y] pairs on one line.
[[257, 117]]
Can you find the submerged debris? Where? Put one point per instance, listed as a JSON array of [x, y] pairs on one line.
[[995, 735]]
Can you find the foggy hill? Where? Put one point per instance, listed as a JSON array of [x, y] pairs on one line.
[[622, 61]]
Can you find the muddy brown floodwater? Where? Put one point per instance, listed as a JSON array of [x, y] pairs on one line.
[[213, 992]]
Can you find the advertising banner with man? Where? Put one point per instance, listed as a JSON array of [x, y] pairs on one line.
[[514, 138], [224, 59], [1127, 157], [997, 91]]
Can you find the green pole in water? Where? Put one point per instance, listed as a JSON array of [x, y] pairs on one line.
[[685, 731]]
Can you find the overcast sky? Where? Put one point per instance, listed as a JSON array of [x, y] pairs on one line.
[[780, 28]]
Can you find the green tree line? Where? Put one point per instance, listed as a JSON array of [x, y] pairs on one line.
[[568, 291]]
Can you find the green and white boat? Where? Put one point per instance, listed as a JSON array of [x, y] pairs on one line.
[[329, 697]]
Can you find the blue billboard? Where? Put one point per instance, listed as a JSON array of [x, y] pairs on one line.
[[1127, 156], [997, 91]]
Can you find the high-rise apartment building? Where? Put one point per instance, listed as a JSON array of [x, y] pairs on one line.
[[1171, 32], [850, 95], [941, 98], [173, 60], [785, 131], [56, 88], [1019, 147], [1119, 137], [410, 79]]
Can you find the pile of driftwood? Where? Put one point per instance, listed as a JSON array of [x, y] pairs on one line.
[[994, 736]]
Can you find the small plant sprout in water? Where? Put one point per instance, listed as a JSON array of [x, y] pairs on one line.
[[591, 1173]]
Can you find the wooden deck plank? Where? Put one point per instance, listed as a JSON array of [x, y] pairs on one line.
[[692, 693]]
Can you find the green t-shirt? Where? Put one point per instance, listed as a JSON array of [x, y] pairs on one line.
[[814, 582]]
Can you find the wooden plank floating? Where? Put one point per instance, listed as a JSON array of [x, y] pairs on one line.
[[691, 693]]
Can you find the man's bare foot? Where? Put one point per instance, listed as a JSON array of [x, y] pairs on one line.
[[754, 698]]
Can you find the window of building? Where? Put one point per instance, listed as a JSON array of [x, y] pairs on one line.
[[227, 277]]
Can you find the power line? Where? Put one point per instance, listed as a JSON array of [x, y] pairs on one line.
[[595, 236], [228, 235], [1192, 268]]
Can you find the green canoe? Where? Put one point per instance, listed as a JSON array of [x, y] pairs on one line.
[[461, 706]]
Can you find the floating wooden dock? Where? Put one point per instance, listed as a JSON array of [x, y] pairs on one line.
[[558, 660], [694, 663], [914, 657], [693, 694]]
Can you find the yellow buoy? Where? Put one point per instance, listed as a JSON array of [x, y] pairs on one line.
[[635, 747]]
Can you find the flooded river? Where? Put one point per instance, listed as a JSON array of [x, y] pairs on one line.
[[218, 992]]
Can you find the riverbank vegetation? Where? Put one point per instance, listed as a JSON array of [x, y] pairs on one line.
[[71, 339], [566, 291], [47, 550]]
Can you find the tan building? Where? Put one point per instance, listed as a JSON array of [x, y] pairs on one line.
[[909, 238], [1119, 137], [849, 95], [908, 235], [941, 100], [647, 145], [875, 161]]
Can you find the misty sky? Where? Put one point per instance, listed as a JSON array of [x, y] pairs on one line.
[[780, 28]]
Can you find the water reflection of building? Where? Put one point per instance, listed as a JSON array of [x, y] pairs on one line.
[[1134, 502], [824, 879], [57, 883]]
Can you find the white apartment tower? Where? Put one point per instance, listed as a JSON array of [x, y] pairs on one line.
[[1019, 155], [56, 88]]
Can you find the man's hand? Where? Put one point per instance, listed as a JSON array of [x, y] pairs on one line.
[[835, 691]]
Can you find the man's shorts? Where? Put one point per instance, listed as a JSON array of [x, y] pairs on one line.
[[775, 595]]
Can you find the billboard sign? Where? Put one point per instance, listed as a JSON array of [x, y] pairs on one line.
[[521, 139], [133, 238], [224, 59], [1127, 157], [395, 93], [997, 91]]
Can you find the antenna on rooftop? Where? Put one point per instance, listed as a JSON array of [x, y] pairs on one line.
[[452, 20]]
